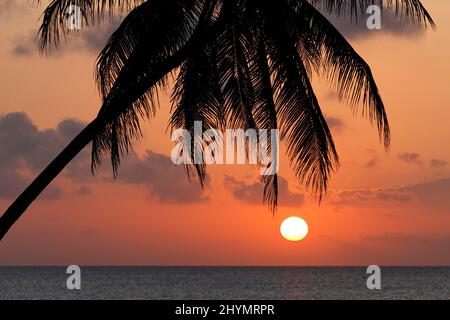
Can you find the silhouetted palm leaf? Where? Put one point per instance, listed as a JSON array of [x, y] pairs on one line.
[[54, 23], [150, 34], [197, 97], [410, 10]]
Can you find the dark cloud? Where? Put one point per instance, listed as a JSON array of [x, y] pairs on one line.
[[83, 191], [331, 95], [24, 144], [26, 150], [94, 39], [437, 163], [13, 182], [436, 193], [253, 192], [433, 195], [22, 50], [368, 196], [371, 163], [430, 247], [7, 7], [431, 243], [165, 180], [69, 128], [406, 238], [410, 157], [373, 159], [335, 123], [23, 46], [89, 40]]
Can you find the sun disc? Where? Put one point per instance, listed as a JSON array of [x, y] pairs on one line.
[[294, 229]]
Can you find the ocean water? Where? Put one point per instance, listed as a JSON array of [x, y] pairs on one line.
[[224, 283]]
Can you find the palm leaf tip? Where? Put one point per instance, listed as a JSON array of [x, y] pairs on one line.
[[411, 11], [54, 19]]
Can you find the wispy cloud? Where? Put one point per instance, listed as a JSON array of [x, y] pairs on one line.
[[437, 163], [410, 157], [335, 123], [431, 195], [90, 40], [165, 181], [252, 193], [26, 150]]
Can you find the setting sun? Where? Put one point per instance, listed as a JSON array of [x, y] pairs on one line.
[[294, 229]]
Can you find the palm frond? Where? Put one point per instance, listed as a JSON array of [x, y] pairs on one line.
[[265, 111], [150, 26], [127, 76], [411, 11], [197, 97], [233, 66], [343, 67], [54, 19], [310, 146]]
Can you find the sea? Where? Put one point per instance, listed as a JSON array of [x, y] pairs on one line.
[[220, 283]]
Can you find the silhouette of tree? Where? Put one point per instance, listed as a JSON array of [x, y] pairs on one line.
[[241, 64]]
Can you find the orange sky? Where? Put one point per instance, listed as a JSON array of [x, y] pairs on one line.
[[386, 209]]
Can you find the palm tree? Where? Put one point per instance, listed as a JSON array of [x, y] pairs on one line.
[[239, 63]]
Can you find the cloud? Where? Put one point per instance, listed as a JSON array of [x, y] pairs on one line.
[[94, 39], [22, 50], [371, 163], [90, 40], [83, 191], [331, 95], [24, 144], [432, 195], [335, 123], [373, 159], [24, 46], [26, 150], [437, 163], [12, 183], [436, 243], [10, 7], [368, 196], [410, 157], [253, 193], [164, 180]]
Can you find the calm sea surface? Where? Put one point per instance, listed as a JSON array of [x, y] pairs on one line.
[[224, 283]]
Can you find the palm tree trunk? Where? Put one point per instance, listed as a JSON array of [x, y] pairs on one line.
[[19, 206], [15, 211]]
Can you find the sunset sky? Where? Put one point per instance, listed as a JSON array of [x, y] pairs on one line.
[[382, 208]]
